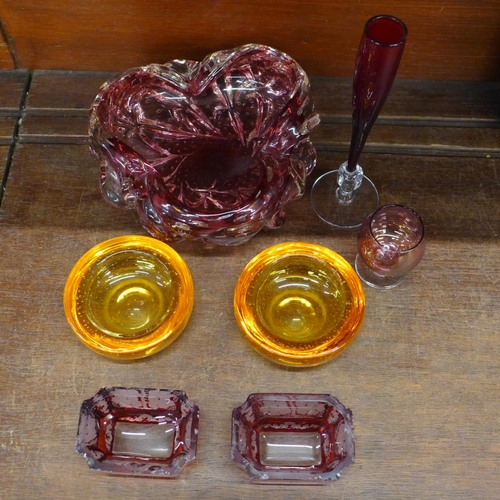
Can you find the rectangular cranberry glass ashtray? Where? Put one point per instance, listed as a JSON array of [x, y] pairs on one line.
[[138, 431], [298, 438]]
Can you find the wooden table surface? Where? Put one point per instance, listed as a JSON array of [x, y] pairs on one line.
[[421, 378]]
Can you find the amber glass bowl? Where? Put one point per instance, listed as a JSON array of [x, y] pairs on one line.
[[129, 297], [299, 303]]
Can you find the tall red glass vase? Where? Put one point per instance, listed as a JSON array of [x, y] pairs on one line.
[[345, 197]]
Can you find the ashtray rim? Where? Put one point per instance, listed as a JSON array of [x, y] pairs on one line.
[[149, 343], [299, 357]]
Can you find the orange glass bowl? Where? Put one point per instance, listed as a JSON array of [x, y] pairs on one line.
[[299, 303], [129, 297]]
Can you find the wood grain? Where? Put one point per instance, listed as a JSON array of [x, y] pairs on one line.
[[469, 103], [4, 153], [451, 118], [12, 87], [6, 59], [420, 378], [80, 89], [452, 39], [7, 124]]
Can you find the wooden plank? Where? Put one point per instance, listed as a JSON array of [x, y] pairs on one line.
[[62, 116], [68, 93], [12, 86], [470, 103], [424, 100], [420, 378], [7, 125], [412, 139], [55, 129], [396, 139], [452, 39], [4, 155], [449, 192], [6, 61], [464, 116], [30, 187]]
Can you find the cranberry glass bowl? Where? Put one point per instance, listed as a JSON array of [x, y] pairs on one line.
[[299, 303], [298, 438], [209, 150]]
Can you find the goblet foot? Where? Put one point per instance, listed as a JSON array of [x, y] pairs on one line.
[[330, 209], [373, 279]]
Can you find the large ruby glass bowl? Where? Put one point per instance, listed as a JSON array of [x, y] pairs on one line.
[[209, 150]]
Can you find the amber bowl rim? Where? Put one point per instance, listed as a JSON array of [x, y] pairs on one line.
[[298, 357], [152, 342]]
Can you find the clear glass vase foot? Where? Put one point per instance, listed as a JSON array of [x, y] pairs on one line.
[[374, 280], [350, 215]]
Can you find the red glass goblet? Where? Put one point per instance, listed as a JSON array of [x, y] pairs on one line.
[[391, 243], [344, 197]]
